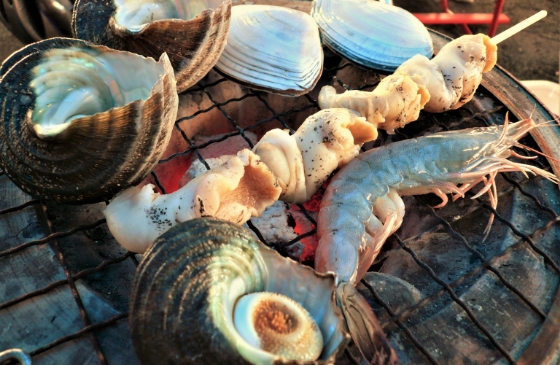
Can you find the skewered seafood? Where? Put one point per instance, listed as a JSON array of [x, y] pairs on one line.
[[272, 48], [362, 205], [192, 33], [76, 127], [303, 161], [454, 74], [446, 82], [235, 191], [247, 184], [276, 223], [188, 291], [396, 101], [371, 33]]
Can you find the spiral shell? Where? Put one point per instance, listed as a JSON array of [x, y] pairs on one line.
[[189, 280], [193, 44], [76, 127]]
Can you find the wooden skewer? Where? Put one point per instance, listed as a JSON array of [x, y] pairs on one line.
[[519, 27]]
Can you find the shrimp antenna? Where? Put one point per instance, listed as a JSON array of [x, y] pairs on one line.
[[532, 111], [504, 130], [527, 148]]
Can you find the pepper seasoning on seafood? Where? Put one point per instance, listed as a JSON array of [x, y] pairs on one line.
[[447, 81], [280, 165]]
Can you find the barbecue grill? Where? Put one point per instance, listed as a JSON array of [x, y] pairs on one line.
[[442, 293]]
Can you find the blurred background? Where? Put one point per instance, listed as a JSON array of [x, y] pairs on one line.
[[531, 55]]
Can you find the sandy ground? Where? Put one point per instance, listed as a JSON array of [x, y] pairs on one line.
[[532, 54]]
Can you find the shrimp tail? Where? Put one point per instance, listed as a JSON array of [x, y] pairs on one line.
[[347, 252], [364, 327]]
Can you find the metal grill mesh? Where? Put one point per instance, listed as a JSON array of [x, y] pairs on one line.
[[403, 319]]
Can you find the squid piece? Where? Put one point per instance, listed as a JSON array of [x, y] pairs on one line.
[[237, 190], [454, 74], [396, 101], [445, 82], [324, 142]]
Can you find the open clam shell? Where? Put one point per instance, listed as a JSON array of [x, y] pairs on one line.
[[192, 33], [189, 281], [371, 33], [272, 48], [76, 127]]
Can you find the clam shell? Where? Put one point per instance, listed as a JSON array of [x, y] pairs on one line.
[[185, 288], [272, 48], [370, 33], [97, 155], [193, 45]]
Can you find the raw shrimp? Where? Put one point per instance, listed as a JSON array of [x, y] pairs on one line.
[[362, 205]]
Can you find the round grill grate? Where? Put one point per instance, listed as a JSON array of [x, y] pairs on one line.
[[442, 294]]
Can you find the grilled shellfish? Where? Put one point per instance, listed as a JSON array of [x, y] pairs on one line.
[[192, 36], [370, 33], [272, 48], [189, 285], [76, 127]]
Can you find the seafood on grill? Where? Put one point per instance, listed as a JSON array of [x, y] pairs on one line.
[[445, 82], [77, 128], [240, 188], [371, 33], [272, 48], [395, 102], [192, 33], [362, 205], [207, 291], [454, 74], [325, 141], [277, 223]]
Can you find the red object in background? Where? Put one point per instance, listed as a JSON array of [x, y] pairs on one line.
[[448, 17]]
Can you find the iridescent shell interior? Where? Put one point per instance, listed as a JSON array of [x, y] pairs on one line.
[[192, 33], [187, 286], [75, 82], [79, 123], [135, 15]]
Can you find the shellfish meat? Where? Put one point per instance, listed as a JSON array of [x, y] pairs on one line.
[[324, 142], [272, 48], [76, 127], [240, 188], [454, 74], [395, 102], [192, 33], [370, 33], [189, 293]]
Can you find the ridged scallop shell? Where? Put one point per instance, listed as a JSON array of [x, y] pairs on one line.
[[193, 44], [371, 33], [272, 48], [88, 157], [185, 288]]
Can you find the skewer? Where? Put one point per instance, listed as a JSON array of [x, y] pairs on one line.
[[519, 27]]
